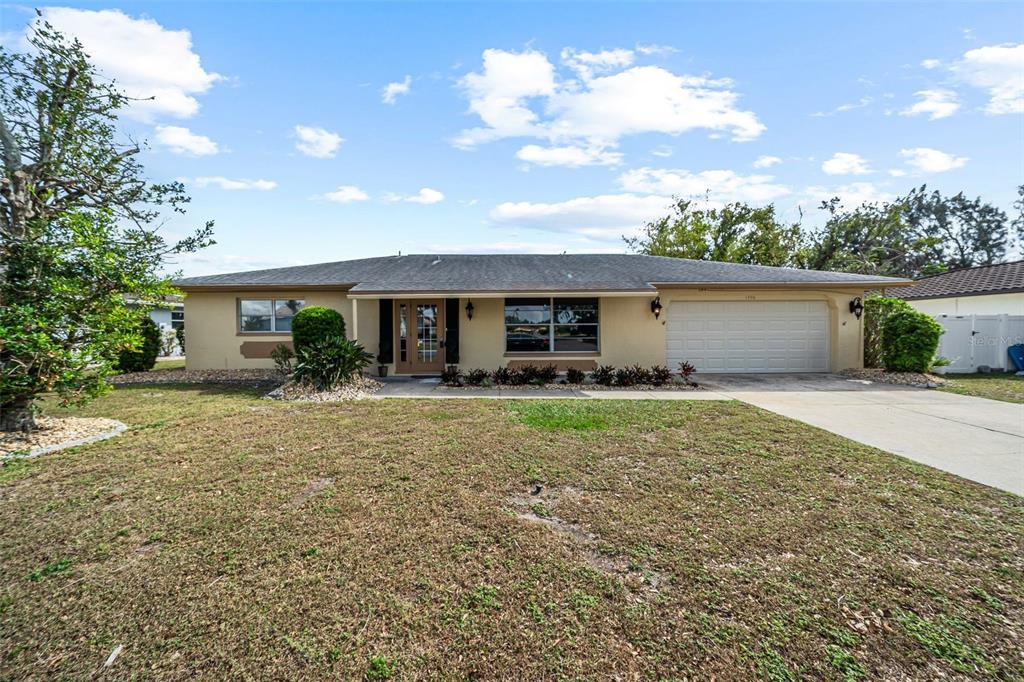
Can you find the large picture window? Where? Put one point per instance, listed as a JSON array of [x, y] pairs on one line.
[[546, 325], [268, 315]]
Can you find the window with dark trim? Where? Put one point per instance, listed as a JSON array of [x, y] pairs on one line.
[[267, 315], [551, 325], [178, 318]]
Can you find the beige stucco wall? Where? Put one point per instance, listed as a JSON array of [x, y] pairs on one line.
[[994, 304], [212, 339], [629, 332]]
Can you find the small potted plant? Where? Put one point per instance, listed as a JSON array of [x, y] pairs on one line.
[[383, 357]]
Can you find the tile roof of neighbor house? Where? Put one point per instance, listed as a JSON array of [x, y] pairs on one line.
[[1002, 278], [497, 273]]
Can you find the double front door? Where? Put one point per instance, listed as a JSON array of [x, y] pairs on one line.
[[419, 336]]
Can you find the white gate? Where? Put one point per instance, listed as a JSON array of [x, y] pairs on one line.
[[970, 341]]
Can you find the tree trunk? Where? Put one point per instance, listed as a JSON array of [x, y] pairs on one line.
[[17, 416]]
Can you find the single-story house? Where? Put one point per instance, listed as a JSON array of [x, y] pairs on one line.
[[422, 312], [982, 290]]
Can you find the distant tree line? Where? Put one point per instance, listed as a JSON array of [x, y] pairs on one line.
[[922, 233]]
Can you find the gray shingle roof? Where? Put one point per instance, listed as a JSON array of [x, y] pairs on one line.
[[1002, 278], [496, 273]]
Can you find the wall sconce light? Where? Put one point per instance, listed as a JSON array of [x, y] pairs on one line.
[[656, 307], [469, 310], [857, 307]]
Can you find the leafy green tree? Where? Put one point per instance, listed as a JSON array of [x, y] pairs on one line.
[[736, 233], [958, 232], [76, 235], [871, 239], [1018, 221]]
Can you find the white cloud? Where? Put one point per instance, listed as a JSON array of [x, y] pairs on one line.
[[657, 50], [897, 172], [663, 151], [605, 217], [519, 94], [851, 195], [586, 64], [229, 184], [346, 194], [426, 195], [844, 163], [850, 106], [766, 161], [720, 186], [999, 69], [932, 160], [573, 157], [931, 64], [145, 59], [183, 141], [317, 142], [935, 103], [391, 91]]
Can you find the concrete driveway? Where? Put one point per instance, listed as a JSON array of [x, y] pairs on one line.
[[976, 438]]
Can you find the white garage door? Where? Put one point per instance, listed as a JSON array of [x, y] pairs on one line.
[[749, 336]]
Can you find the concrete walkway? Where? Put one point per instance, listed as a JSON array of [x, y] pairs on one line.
[[976, 438]]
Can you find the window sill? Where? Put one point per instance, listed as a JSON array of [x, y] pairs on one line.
[[552, 354], [263, 333]]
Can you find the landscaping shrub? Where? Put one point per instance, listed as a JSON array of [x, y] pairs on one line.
[[604, 375], [547, 374], [477, 377], [503, 376], [329, 362], [640, 375], [909, 341], [282, 356], [624, 377], [660, 375], [179, 333], [575, 376], [168, 342], [877, 310], [686, 370], [451, 376], [142, 357], [314, 325], [524, 375]]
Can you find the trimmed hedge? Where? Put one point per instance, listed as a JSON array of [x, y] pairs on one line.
[[909, 341], [142, 357], [877, 310], [314, 325]]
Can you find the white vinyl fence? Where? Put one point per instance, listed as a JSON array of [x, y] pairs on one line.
[[971, 341]]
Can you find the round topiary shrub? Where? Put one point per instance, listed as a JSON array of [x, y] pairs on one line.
[[142, 357], [315, 324], [909, 341]]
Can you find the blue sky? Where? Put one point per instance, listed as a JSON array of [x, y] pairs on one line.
[[543, 128]]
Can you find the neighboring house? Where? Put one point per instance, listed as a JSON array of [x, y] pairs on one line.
[[173, 318], [421, 312], [982, 290]]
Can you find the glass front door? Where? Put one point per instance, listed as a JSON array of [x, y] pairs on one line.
[[419, 328]]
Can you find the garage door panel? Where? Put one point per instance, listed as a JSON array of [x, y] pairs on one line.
[[749, 336]]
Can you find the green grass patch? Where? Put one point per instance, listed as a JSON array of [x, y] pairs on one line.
[[1005, 386], [696, 539]]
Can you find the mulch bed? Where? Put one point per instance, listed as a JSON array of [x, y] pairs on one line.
[[56, 431], [880, 376], [359, 388], [250, 377]]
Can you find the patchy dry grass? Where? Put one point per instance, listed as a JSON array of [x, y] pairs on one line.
[[225, 536], [1005, 386]]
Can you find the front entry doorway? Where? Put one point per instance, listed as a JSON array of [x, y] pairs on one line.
[[419, 331]]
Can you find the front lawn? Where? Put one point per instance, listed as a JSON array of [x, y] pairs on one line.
[[1004, 386], [229, 537]]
